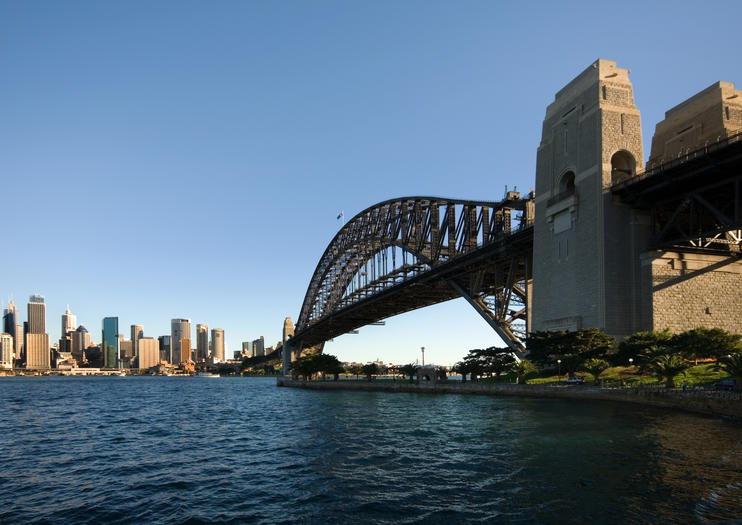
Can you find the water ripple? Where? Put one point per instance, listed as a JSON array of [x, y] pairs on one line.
[[185, 451]]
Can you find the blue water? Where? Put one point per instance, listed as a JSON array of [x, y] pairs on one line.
[[232, 450]]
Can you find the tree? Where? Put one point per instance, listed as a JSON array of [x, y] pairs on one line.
[[495, 360], [667, 366], [327, 364], [408, 370], [700, 343], [304, 367], [641, 346], [370, 370], [573, 348], [595, 367], [524, 370], [732, 365], [354, 369]]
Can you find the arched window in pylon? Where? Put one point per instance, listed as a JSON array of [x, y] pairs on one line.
[[567, 183], [623, 166]]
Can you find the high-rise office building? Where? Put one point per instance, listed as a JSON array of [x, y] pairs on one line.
[[110, 342], [36, 315], [217, 344], [69, 321], [179, 328], [185, 350], [247, 348], [202, 342], [258, 347], [164, 341], [36, 341], [149, 352], [80, 341], [13, 326], [38, 352], [6, 351], [137, 332]]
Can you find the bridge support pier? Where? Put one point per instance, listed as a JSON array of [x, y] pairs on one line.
[[289, 355]]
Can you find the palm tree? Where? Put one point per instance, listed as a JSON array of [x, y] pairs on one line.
[[408, 370], [595, 367], [524, 369], [667, 366], [732, 365]]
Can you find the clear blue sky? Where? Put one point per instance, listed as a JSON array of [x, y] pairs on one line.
[[189, 159]]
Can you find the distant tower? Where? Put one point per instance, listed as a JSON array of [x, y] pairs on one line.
[[6, 351], [36, 315], [110, 342], [164, 341], [179, 329], [149, 352], [217, 338], [137, 332], [185, 350], [288, 332], [80, 341], [37, 349], [202, 342], [12, 326], [69, 322], [585, 259]]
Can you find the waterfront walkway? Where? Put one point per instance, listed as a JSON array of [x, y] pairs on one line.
[[708, 402]]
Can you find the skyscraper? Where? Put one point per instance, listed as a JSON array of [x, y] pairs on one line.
[[36, 315], [38, 352], [164, 341], [110, 342], [137, 332], [12, 326], [69, 321], [202, 342], [217, 343], [36, 341], [80, 341], [6, 351], [185, 350], [179, 329], [149, 352]]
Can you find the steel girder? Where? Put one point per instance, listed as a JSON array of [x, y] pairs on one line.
[[412, 252], [695, 201]]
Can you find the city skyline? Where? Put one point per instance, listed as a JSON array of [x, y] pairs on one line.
[[239, 132]]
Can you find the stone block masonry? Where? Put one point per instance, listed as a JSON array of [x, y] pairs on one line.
[[690, 290]]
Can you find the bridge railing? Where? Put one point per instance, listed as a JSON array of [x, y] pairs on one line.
[[683, 157]]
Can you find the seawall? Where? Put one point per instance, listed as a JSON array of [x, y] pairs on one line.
[[720, 404]]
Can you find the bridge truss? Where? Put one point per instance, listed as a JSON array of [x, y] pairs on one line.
[[412, 252], [694, 201]]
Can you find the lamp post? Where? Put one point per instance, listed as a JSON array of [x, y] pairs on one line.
[[631, 361], [559, 363], [422, 348]]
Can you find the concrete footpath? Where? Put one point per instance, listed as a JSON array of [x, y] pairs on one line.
[[721, 404]]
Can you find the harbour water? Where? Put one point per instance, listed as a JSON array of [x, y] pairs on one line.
[[241, 450]]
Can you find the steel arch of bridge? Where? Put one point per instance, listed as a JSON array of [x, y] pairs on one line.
[[411, 252]]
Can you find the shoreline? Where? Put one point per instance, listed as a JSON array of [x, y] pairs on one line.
[[727, 405]]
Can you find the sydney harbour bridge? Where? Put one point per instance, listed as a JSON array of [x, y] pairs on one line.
[[411, 252]]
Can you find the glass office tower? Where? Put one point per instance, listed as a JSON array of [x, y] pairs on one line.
[[110, 342]]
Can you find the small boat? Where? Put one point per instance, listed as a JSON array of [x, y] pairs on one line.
[[206, 374]]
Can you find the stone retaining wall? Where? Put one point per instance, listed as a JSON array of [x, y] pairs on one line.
[[722, 404]]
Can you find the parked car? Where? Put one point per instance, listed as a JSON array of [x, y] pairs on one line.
[[725, 384], [575, 380]]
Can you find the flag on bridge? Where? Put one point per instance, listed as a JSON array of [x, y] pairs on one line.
[[341, 215]]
